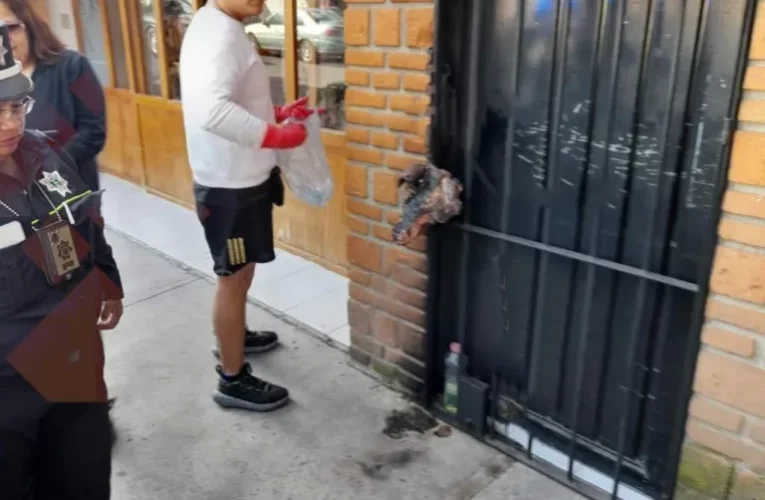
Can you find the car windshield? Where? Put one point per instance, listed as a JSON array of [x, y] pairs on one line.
[[323, 15]]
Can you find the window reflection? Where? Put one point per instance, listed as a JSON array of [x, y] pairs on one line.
[[93, 44], [320, 52], [267, 33], [178, 14], [149, 28], [119, 55]]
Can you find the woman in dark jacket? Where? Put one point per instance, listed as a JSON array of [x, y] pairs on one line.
[[69, 98], [59, 287]]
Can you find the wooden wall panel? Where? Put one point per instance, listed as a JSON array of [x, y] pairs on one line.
[[164, 148], [318, 234], [122, 154]]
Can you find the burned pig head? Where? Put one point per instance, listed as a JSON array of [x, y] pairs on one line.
[[433, 197]]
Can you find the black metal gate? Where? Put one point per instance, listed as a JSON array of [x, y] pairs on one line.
[[592, 137]]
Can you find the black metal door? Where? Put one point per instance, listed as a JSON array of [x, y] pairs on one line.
[[592, 138]]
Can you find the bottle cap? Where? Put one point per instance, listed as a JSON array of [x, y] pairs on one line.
[[455, 347]]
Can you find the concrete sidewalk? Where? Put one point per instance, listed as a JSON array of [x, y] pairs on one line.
[[176, 444]]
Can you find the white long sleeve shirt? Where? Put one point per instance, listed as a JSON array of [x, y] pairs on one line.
[[226, 101]]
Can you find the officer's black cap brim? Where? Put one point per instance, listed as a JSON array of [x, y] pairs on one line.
[[15, 87]]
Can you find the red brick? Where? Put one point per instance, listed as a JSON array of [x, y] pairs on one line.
[[410, 104], [384, 140], [384, 329], [384, 233], [363, 98], [736, 202], [402, 162], [385, 187], [365, 117], [753, 456], [369, 58], [364, 209], [401, 123], [409, 61], [357, 77], [355, 134], [358, 317], [357, 225], [742, 232], [387, 27], [356, 180], [356, 26], [415, 145], [366, 155], [734, 383], [410, 277], [739, 274], [730, 341], [364, 254], [400, 257], [356, 275], [416, 82], [419, 28], [743, 316], [378, 301], [386, 80], [716, 414]]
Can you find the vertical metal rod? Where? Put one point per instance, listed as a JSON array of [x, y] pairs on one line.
[[560, 49], [474, 58], [595, 225], [646, 258]]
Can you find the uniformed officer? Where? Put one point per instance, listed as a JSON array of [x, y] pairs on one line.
[[59, 286]]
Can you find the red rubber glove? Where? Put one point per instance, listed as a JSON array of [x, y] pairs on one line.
[[296, 110], [288, 136]]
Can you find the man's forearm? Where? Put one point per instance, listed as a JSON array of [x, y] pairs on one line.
[[234, 123]]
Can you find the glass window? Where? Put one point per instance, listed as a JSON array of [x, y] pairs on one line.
[[266, 33], [320, 54], [178, 14], [93, 46], [119, 55], [149, 29]]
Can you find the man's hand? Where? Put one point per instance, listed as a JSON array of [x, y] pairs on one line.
[[296, 110], [111, 313]]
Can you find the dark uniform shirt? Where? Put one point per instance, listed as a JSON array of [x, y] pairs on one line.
[[69, 102], [48, 332]]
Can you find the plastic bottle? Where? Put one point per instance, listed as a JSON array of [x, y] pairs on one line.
[[451, 384]]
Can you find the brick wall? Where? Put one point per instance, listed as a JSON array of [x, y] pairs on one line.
[[386, 101], [724, 455]]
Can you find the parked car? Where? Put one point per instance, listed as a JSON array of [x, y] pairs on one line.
[[180, 9], [319, 34]]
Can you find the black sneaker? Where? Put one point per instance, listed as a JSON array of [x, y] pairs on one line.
[[248, 392], [255, 342]]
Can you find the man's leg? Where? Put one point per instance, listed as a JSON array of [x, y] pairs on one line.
[[229, 317], [74, 453]]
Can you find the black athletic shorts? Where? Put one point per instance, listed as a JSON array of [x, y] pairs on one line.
[[238, 223]]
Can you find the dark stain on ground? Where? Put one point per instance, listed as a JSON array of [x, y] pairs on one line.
[[381, 464], [411, 419]]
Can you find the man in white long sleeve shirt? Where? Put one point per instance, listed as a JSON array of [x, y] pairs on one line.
[[232, 131]]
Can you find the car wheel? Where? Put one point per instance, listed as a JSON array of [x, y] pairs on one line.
[[151, 39], [307, 51]]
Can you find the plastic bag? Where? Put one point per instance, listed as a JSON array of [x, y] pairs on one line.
[[305, 168]]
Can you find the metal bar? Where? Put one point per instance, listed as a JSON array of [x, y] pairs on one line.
[[587, 259], [690, 356], [560, 49], [578, 384], [474, 57], [646, 258]]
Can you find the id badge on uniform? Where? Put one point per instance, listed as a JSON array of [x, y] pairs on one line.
[[59, 250]]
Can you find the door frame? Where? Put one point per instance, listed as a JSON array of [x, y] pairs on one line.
[[433, 344]]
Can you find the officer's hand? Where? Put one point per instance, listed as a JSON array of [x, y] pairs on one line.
[[111, 312]]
